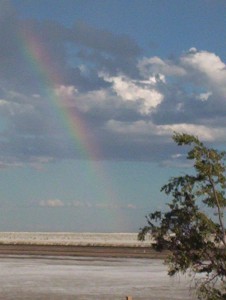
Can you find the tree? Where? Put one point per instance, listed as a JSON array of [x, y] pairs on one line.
[[193, 227]]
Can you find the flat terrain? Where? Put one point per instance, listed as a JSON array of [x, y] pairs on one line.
[[88, 278], [84, 251]]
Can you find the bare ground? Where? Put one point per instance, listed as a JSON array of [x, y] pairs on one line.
[[85, 251]]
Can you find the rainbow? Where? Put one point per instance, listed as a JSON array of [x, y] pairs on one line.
[[41, 63]]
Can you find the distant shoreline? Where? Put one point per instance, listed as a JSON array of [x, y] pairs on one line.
[[82, 251], [77, 244], [74, 239]]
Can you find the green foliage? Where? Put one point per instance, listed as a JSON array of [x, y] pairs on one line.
[[196, 240]]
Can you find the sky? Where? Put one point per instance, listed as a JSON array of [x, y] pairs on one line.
[[91, 92]]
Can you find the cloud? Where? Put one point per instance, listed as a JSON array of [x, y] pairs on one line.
[[156, 66], [173, 162], [115, 206], [23, 41], [204, 96], [129, 104], [85, 204], [207, 68], [51, 203], [145, 129], [138, 113], [104, 41], [144, 93], [101, 205]]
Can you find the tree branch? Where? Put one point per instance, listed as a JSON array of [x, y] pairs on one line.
[[219, 211]]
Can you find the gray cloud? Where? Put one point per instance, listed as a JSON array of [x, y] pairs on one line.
[[130, 105], [103, 41], [59, 46]]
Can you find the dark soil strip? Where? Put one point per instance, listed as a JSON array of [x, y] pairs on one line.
[[84, 251]]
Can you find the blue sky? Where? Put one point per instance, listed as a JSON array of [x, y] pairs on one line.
[[116, 76]]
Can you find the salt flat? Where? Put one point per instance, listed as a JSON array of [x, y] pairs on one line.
[[37, 278], [73, 238]]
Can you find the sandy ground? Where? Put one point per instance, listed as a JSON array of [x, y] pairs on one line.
[[53, 272], [88, 278]]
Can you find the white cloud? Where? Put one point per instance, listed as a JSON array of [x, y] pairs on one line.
[[124, 99], [38, 163], [10, 164], [208, 65], [206, 62], [205, 133], [3, 102], [68, 92], [84, 101], [131, 206], [143, 92], [204, 96], [77, 203], [186, 94], [177, 155], [138, 128], [95, 99], [114, 206], [147, 129], [157, 66], [11, 108], [203, 69], [172, 163], [51, 203], [85, 204]]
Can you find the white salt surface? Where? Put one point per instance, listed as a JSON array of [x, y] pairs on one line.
[[88, 279], [68, 238]]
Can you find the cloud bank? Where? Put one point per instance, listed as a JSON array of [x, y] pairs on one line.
[[130, 104], [57, 203]]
